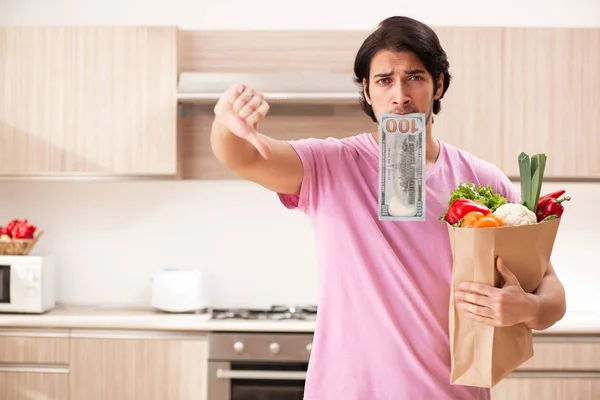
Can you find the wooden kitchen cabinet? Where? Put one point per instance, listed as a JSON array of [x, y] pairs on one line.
[[33, 385], [513, 89], [88, 101], [563, 367], [34, 364], [138, 366], [535, 90]]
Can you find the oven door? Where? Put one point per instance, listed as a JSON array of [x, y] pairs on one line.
[[256, 380]]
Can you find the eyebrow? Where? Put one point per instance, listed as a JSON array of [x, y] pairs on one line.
[[407, 72]]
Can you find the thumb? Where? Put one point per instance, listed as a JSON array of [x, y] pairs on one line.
[[509, 277], [243, 129]]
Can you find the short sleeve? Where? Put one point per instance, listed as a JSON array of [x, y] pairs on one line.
[[507, 188], [319, 158]]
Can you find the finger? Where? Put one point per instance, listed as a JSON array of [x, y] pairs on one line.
[[508, 276], [476, 310], [473, 298], [258, 114], [251, 105], [243, 99], [485, 320], [480, 288], [260, 144], [234, 92]]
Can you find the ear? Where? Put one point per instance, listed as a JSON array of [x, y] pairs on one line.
[[366, 91], [440, 87]]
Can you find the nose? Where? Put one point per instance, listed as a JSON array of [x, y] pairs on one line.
[[401, 95]]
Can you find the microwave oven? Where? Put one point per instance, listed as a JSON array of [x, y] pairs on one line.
[[27, 284]]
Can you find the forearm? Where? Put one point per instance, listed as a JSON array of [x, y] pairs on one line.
[[550, 305], [231, 150]]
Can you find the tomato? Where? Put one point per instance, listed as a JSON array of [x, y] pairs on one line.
[[486, 222]]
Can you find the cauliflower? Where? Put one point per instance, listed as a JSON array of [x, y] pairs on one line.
[[513, 214]]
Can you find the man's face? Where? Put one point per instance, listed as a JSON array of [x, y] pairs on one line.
[[399, 83]]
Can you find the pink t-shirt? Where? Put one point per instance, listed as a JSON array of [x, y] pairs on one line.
[[384, 286]]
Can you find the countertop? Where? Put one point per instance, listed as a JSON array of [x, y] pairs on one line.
[[85, 317]]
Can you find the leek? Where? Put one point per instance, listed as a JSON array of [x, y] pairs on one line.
[[532, 175]]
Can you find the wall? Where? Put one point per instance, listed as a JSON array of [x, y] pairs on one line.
[[110, 237]]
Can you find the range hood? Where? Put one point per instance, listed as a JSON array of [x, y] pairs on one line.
[[299, 87]]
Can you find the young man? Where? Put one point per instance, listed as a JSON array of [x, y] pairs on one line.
[[382, 327]]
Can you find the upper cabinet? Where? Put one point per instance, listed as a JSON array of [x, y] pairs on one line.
[[535, 90], [88, 100]]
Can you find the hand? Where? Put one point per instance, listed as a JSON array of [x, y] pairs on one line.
[[504, 306], [239, 110]]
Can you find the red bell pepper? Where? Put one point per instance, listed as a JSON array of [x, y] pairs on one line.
[[461, 207], [549, 207], [553, 195]]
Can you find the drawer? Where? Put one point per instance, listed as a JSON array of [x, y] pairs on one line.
[[564, 353], [34, 346]]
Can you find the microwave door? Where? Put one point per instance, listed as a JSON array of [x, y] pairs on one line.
[[4, 284]]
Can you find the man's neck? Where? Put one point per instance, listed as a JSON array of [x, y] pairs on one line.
[[432, 150]]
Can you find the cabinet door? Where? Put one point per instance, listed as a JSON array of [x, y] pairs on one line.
[[33, 385], [548, 386], [88, 100], [550, 99], [144, 367]]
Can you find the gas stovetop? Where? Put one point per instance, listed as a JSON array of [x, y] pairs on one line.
[[274, 313]]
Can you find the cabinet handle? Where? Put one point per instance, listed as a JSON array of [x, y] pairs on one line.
[[556, 374], [35, 368], [276, 375]]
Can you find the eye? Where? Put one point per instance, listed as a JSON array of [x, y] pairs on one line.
[[383, 81], [415, 78]]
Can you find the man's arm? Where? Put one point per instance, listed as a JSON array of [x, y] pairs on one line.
[[282, 172], [236, 143], [550, 302]]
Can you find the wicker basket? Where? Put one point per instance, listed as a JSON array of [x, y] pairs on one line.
[[18, 247]]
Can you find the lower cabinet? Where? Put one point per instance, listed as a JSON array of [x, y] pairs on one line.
[[34, 364], [562, 368], [138, 366], [548, 386], [20, 384]]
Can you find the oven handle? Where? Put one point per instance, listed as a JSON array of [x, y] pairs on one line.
[[276, 375]]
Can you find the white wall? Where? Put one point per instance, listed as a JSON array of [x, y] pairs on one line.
[[111, 236]]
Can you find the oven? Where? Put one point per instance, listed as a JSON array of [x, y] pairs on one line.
[[258, 366]]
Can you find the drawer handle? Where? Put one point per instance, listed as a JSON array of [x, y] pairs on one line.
[[275, 375], [35, 368]]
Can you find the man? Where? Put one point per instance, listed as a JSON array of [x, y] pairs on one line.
[[382, 327]]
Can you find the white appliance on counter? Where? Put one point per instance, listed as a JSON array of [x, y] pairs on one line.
[[179, 290], [27, 284]]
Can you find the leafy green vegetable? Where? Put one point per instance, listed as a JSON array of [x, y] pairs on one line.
[[481, 194], [531, 174]]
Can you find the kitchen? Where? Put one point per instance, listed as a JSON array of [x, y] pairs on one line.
[[111, 237]]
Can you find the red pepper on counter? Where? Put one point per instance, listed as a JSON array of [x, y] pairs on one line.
[[462, 207], [550, 207]]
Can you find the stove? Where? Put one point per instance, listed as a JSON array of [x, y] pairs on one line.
[[259, 365], [274, 313]]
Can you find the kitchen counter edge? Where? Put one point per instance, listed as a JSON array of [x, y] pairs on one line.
[[577, 323]]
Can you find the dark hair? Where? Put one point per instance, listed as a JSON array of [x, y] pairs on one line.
[[402, 34]]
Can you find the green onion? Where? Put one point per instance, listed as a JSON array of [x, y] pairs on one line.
[[532, 174], [525, 173]]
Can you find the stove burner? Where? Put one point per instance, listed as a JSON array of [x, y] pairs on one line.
[[276, 312]]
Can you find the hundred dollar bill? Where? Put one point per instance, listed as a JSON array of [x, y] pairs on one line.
[[402, 167]]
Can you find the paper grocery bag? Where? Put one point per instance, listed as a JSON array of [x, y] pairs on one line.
[[482, 355]]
